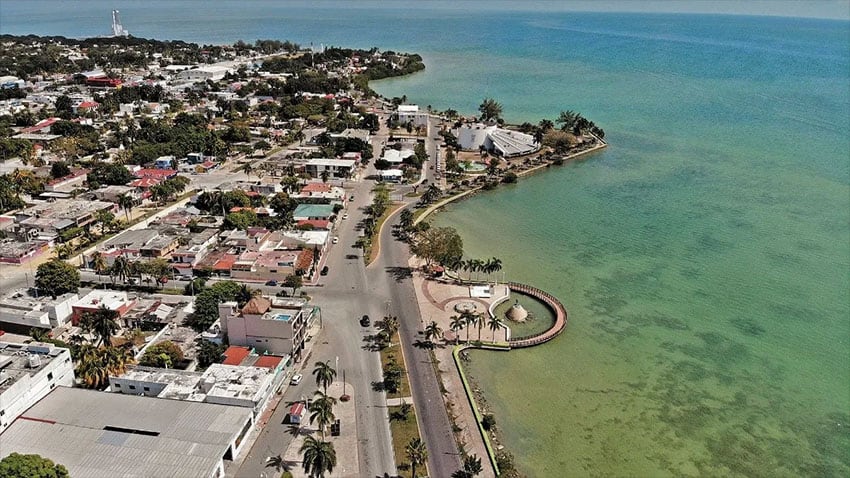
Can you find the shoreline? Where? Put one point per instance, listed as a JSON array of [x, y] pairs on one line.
[[431, 209]]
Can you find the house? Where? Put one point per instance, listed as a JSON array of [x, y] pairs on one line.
[[165, 162], [49, 219], [28, 372], [116, 301], [324, 191], [113, 192], [93, 433], [391, 175], [411, 114], [313, 211], [68, 183], [155, 173], [204, 73], [335, 168], [13, 251], [267, 325]]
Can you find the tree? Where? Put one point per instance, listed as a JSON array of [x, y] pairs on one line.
[[490, 109], [495, 324], [293, 280], [389, 326], [433, 331], [96, 364], [57, 277], [278, 463], [126, 203], [319, 457], [17, 465], [102, 323], [241, 220], [120, 268], [457, 323], [322, 411], [416, 454], [325, 374], [59, 169], [471, 467], [470, 319], [163, 355], [325, 175], [438, 244], [208, 352]]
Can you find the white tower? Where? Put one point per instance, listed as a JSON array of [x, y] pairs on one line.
[[117, 29]]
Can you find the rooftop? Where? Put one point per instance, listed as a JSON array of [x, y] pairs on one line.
[[109, 434], [15, 361]]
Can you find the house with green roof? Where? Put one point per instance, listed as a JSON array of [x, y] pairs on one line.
[[313, 211]]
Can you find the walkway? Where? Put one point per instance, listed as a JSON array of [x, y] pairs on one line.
[[553, 303]]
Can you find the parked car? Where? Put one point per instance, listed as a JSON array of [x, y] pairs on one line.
[[324, 271], [351, 256], [296, 379], [335, 239], [272, 283], [345, 216], [365, 321], [351, 198]]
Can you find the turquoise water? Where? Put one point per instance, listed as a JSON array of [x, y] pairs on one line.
[[704, 256]]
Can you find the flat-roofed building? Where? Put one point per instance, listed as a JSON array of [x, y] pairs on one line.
[[269, 325], [99, 434], [114, 300], [48, 219], [20, 312], [336, 168], [28, 372], [411, 114]]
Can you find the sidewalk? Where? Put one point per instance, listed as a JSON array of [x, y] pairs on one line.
[[345, 445]]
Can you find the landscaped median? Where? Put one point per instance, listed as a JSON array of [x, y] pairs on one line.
[[374, 246], [404, 428]]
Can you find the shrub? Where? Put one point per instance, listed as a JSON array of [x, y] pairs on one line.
[[488, 421], [510, 178]]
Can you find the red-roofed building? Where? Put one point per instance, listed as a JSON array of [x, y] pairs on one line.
[[322, 224], [67, 183], [103, 82], [311, 188], [42, 126], [144, 183], [234, 355], [160, 174], [86, 106], [269, 361]]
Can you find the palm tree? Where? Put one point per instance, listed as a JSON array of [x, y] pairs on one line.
[[325, 175], [325, 374], [432, 331], [245, 294], [322, 411], [495, 324], [457, 323], [126, 203], [98, 262], [495, 265], [96, 364], [300, 137], [278, 463], [480, 324], [319, 457], [389, 326], [102, 323], [472, 465], [120, 268], [416, 453], [469, 319]]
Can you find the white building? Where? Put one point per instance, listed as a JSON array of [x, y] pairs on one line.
[[278, 327], [391, 175], [204, 73], [395, 156], [337, 168], [27, 374], [20, 311], [101, 434], [411, 113], [504, 142]]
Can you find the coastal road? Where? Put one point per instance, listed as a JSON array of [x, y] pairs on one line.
[[390, 279]]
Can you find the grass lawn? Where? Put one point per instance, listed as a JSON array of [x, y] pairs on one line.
[[403, 431], [395, 352]]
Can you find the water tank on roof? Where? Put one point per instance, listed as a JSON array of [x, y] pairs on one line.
[[34, 361]]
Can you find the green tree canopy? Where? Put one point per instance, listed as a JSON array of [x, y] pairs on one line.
[[17, 465], [57, 277], [442, 245], [164, 355], [490, 109]]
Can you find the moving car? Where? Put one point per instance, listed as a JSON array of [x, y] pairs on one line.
[[345, 216], [364, 321], [296, 379], [272, 282], [324, 271]]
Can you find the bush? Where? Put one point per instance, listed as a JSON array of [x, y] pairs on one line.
[[488, 421], [510, 178]]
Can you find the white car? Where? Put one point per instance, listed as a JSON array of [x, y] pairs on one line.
[[345, 216], [335, 239], [296, 379]]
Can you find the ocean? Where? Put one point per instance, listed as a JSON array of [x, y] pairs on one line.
[[704, 256]]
